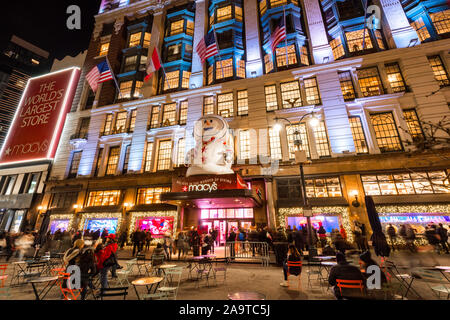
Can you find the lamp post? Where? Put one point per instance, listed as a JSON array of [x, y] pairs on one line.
[[301, 159]]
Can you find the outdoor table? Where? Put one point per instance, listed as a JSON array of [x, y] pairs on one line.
[[148, 283], [195, 264], [164, 267], [326, 265], [248, 296], [19, 269], [50, 281], [443, 270], [324, 257]]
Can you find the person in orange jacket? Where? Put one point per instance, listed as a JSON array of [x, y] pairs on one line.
[[343, 232]]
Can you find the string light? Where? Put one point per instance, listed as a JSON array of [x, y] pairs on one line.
[[69, 217]]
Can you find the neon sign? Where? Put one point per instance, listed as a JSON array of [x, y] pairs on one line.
[[415, 219]]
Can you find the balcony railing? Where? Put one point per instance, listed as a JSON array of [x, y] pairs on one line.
[[79, 136]]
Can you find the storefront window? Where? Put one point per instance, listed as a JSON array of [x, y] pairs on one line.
[[244, 213], [64, 200], [104, 198], [151, 195]]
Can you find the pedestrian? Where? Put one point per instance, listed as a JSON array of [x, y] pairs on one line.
[[252, 238], [298, 240], [158, 255], [168, 245], [392, 235], [232, 240], [443, 234], [433, 237], [88, 268], [205, 244], [148, 240], [322, 236], [122, 239], [106, 259], [214, 237], [344, 271], [182, 245], [23, 243], [358, 237], [195, 241], [343, 232], [292, 256], [365, 261], [280, 246], [135, 242]]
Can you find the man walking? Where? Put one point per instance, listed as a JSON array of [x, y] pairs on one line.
[[392, 235], [443, 233]]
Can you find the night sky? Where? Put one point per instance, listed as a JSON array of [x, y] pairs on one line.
[[43, 23]]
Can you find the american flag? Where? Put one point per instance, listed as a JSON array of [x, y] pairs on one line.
[[207, 47], [99, 74], [278, 35]]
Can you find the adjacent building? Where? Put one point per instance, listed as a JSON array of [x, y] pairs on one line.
[[378, 94]]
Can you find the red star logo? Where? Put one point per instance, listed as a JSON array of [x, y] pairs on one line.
[[185, 189]]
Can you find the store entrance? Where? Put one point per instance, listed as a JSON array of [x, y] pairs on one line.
[[224, 227]]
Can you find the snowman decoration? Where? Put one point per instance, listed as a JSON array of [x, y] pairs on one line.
[[213, 152]]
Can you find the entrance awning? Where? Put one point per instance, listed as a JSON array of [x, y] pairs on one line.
[[221, 199]]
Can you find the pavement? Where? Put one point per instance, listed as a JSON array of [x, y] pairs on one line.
[[252, 277]]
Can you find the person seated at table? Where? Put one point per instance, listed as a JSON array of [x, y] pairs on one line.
[[293, 256], [328, 251], [345, 271], [365, 261], [157, 255]]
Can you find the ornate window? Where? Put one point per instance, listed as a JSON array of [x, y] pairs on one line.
[[126, 89], [284, 59], [164, 155], [291, 130], [337, 47], [414, 127], [104, 198], [225, 105], [172, 80], [322, 144], [271, 98], [275, 144], [359, 137], [355, 40], [370, 82], [107, 129], [224, 14], [395, 77], [386, 132], [154, 118], [348, 90], [242, 103], [176, 27], [113, 161], [104, 49], [440, 74], [185, 80], [224, 69], [268, 63], [290, 94], [151, 195], [121, 122], [169, 117]]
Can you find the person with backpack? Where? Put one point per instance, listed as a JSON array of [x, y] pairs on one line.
[[87, 263], [392, 235], [443, 234], [106, 259]]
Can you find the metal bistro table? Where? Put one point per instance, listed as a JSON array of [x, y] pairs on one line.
[[246, 295], [164, 267], [443, 270], [148, 283], [50, 281], [195, 264]]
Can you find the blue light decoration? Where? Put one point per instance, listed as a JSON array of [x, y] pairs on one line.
[[420, 219], [328, 222], [100, 224], [62, 225]]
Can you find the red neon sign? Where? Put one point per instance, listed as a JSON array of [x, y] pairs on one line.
[[37, 126]]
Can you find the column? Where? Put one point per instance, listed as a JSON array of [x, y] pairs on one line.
[[195, 105], [139, 140], [400, 33], [321, 49], [201, 16], [90, 149], [335, 111], [252, 36], [271, 214], [151, 88]]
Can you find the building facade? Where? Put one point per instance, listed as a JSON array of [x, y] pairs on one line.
[[376, 93]]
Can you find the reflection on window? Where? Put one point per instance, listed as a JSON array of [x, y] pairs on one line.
[[135, 39], [291, 130], [386, 132], [130, 64], [132, 120], [348, 90], [322, 145], [148, 157], [312, 91], [271, 98], [323, 188], [138, 89], [275, 144], [355, 40], [440, 74], [406, 183], [441, 21], [73, 172], [240, 68], [169, 117], [108, 124], [242, 103], [151, 195], [126, 160], [358, 135], [99, 162], [164, 155], [103, 198], [262, 7], [370, 82], [186, 79], [147, 38], [289, 59], [337, 47], [276, 3], [289, 189], [207, 214], [113, 161], [190, 27], [290, 94], [225, 105], [268, 62], [379, 38], [121, 122], [414, 127], [395, 77], [421, 29], [224, 69]]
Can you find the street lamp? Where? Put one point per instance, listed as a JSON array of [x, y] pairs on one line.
[[301, 159]]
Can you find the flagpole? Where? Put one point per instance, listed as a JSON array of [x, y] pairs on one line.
[[286, 42], [164, 70], [218, 49], [114, 77], [365, 22]]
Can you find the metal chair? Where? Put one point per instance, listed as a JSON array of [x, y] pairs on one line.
[[122, 275], [314, 269], [69, 294], [434, 280], [204, 271], [4, 291], [220, 269], [350, 284], [169, 291], [114, 292], [404, 279], [295, 264], [141, 263]]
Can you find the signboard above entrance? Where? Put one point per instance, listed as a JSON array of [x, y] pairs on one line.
[[208, 184]]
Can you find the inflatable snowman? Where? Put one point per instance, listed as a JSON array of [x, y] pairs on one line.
[[214, 151]]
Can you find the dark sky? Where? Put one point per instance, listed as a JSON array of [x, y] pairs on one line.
[[43, 23]]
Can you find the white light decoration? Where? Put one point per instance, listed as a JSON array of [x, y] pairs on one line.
[[151, 214], [111, 215]]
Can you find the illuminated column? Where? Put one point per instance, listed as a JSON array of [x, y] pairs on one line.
[[336, 116], [139, 140], [321, 49], [400, 31], [253, 46], [195, 105], [155, 42], [271, 209], [90, 149], [201, 14]]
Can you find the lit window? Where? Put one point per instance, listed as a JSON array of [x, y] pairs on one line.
[[148, 157], [379, 38], [244, 144], [151, 195], [210, 74], [421, 29], [190, 27], [276, 3], [370, 82], [263, 7], [173, 52], [181, 152], [169, 115], [225, 105], [138, 89], [240, 71], [268, 62], [132, 121], [224, 14], [323, 188], [176, 27], [108, 125], [312, 91], [304, 56], [76, 158], [291, 130], [271, 98], [238, 13], [172, 80], [121, 122], [104, 198], [130, 64], [135, 39], [126, 159], [441, 21], [355, 40], [440, 74], [290, 94], [395, 77], [275, 145], [34, 61], [337, 47], [183, 112], [147, 38], [186, 79], [242, 103], [154, 118], [99, 162], [224, 69], [164, 155], [386, 132], [322, 145], [414, 127], [359, 137], [348, 90], [125, 89], [208, 105], [113, 161], [104, 48], [290, 58]]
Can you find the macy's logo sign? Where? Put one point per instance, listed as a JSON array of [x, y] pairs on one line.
[[207, 187]]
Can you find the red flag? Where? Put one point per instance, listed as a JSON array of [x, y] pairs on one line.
[[154, 65]]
